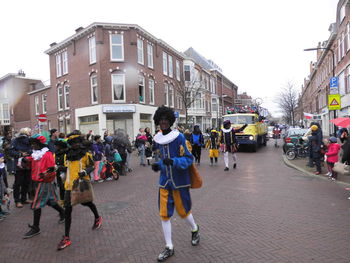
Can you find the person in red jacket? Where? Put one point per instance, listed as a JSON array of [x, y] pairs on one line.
[[332, 156], [42, 165]]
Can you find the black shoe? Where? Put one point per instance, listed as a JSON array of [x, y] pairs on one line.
[[226, 169], [34, 230], [165, 254], [234, 166], [195, 237]]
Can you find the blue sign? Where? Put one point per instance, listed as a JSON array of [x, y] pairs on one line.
[[333, 82], [176, 113]]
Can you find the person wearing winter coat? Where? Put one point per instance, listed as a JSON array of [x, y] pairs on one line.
[[109, 154], [20, 147], [97, 153], [332, 156], [315, 150], [197, 141]]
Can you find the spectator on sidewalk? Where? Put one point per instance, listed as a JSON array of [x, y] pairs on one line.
[[9, 161], [315, 148], [53, 137], [343, 135], [109, 154], [122, 144], [197, 141], [332, 156], [20, 147], [141, 140], [97, 153], [148, 145]]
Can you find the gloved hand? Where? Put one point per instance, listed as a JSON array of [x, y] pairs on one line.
[[82, 174], [168, 161], [155, 167]]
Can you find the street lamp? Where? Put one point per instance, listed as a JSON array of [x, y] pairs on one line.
[[333, 74]]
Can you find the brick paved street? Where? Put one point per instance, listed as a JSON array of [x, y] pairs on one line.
[[263, 211]]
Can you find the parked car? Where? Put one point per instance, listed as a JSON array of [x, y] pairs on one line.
[[292, 136], [270, 131]]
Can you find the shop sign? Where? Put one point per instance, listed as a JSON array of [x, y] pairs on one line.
[[118, 108]]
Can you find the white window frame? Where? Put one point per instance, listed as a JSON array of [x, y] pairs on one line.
[[151, 91], [121, 45], [178, 77], [165, 63], [140, 56], [36, 105], [123, 82], [66, 96], [92, 85], [6, 111], [92, 50], [348, 36], [166, 94], [171, 95], [142, 81], [65, 62], [60, 97], [170, 66], [44, 102], [58, 65], [150, 55], [342, 13], [343, 44]]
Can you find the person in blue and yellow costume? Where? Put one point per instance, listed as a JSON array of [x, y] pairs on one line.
[[79, 164], [174, 180], [213, 146]]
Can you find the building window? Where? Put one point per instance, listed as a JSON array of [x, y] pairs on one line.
[[66, 97], [65, 62], [140, 51], [170, 66], [118, 87], [60, 97], [58, 65], [117, 47], [44, 102], [342, 83], [179, 102], [61, 126], [141, 89], [177, 70], [343, 44], [348, 30], [187, 70], [166, 97], [94, 89], [92, 50], [6, 111], [214, 104], [339, 50], [165, 63], [36, 105], [171, 96], [150, 55], [151, 91], [342, 13]]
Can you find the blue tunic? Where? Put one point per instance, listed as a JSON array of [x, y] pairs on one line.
[[173, 145]]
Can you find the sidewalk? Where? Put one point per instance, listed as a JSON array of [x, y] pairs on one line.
[[300, 165]]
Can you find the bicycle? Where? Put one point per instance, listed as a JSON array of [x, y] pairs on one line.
[[298, 150]]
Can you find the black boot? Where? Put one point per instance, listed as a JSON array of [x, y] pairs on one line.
[[165, 254]]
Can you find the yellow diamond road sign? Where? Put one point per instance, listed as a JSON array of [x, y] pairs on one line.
[[334, 102]]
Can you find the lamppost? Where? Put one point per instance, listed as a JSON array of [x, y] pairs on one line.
[[333, 74]]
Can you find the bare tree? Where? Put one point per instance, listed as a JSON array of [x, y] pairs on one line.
[[189, 90], [287, 100]]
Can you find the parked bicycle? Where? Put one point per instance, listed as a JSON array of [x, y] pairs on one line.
[[298, 150]]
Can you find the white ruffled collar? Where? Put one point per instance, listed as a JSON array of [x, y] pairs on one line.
[[2, 165], [38, 154], [226, 130], [166, 139]]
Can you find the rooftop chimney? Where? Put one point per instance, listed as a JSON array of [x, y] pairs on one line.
[[21, 73], [79, 29]]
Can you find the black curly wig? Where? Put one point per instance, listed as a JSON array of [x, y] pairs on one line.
[[164, 111]]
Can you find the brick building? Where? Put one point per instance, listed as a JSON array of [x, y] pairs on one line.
[[316, 86], [108, 76]]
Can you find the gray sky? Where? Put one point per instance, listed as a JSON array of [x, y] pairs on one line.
[[258, 44]]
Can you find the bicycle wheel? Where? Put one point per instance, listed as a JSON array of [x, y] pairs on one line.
[[290, 154]]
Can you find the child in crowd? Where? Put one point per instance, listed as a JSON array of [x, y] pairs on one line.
[[332, 156], [213, 146]]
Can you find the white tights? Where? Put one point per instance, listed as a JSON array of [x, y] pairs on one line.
[[234, 157]]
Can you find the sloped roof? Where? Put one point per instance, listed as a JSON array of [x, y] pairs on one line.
[[202, 61]]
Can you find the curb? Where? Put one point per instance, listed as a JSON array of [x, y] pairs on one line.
[[289, 164]]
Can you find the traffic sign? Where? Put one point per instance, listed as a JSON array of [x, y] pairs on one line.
[[42, 118], [176, 113], [333, 82], [334, 102]]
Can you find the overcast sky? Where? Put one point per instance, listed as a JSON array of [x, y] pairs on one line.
[[258, 44]]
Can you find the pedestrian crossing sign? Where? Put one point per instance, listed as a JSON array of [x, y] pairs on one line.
[[334, 102]]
